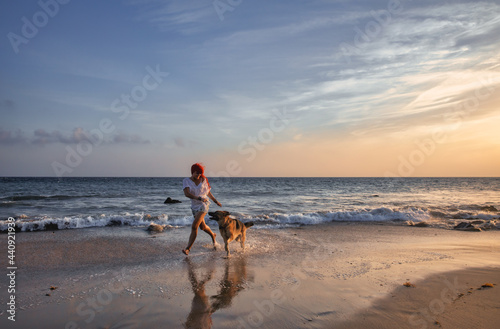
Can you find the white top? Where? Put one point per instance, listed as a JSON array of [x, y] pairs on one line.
[[201, 189]]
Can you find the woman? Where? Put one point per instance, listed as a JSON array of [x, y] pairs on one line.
[[197, 189]]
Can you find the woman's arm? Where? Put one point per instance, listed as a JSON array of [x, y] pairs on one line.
[[213, 199], [192, 196]]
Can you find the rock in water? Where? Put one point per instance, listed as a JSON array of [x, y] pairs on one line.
[[155, 227], [170, 200], [419, 224], [464, 226]]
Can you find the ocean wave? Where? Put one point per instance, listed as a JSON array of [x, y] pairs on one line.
[[15, 198], [364, 215], [26, 224], [383, 214], [7, 204]]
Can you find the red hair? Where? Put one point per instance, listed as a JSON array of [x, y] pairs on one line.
[[198, 167]]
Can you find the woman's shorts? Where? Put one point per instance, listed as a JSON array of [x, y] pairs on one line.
[[203, 208]]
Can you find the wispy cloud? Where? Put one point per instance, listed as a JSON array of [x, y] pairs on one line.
[[186, 17], [418, 53], [422, 34]]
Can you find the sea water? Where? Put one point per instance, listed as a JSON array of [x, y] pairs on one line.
[[74, 203]]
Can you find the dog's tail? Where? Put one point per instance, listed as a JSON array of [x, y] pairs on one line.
[[249, 224]]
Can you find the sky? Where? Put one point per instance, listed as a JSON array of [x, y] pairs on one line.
[[392, 88]]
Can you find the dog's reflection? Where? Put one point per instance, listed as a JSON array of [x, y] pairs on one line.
[[232, 282]]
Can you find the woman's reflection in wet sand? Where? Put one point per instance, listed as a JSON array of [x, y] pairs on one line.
[[230, 285], [201, 310]]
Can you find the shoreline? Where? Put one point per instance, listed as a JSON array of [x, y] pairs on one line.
[[23, 224], [310, 276]]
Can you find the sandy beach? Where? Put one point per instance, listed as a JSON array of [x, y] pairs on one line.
[[340, 275]]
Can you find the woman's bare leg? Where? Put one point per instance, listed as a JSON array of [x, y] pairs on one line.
[[205, 228], [199, 221]]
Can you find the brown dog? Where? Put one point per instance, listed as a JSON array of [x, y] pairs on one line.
[[230, 228]]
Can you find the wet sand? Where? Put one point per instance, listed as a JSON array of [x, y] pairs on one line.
[[334, 275]]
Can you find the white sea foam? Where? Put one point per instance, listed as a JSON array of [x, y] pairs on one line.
[[363, 215], [77, 222], [382, 214]]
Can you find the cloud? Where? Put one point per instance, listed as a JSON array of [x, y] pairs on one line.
[[43, 137], [406, 74], [11, 137], [421, 34], [123, 138], [185, 17], [181, 142]]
